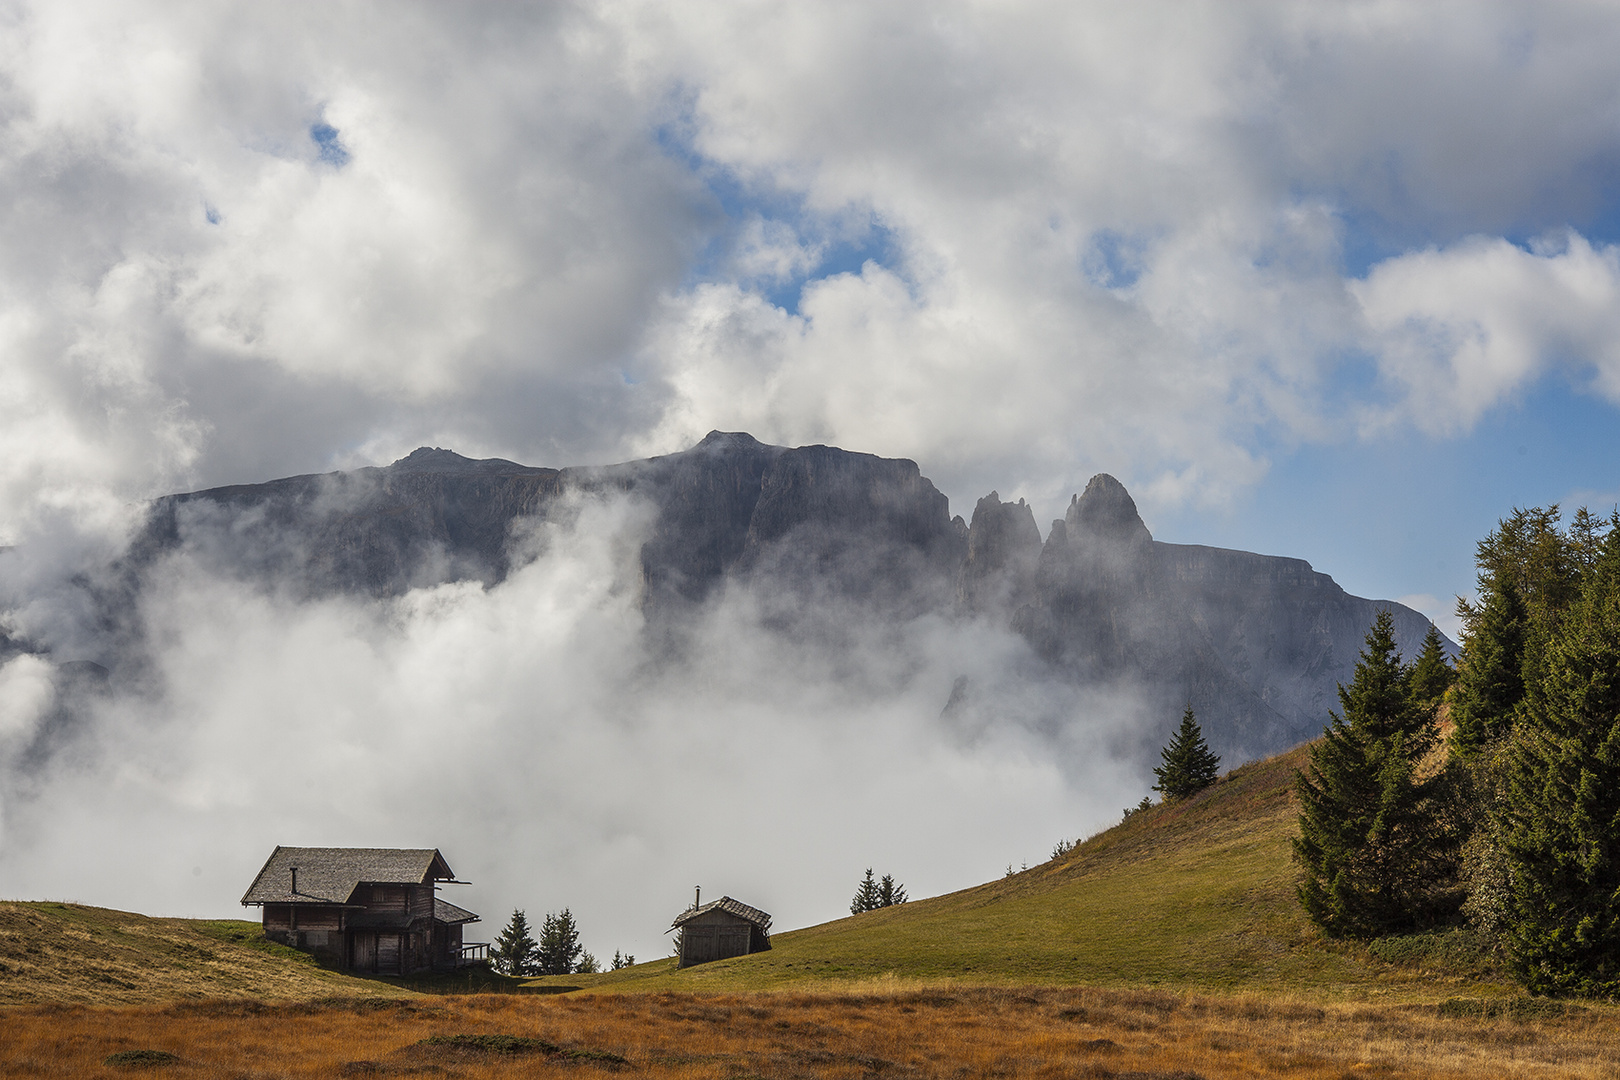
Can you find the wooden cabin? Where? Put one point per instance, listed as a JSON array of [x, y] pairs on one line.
[[720, 929], [363, 910]]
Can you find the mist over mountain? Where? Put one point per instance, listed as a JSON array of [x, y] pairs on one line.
[[1257, 644], [571, 665]]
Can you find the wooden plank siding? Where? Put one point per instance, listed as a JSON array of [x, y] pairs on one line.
[[714, 935], [367, 910]]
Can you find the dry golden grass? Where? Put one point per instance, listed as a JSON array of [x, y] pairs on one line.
[[948, 1031]]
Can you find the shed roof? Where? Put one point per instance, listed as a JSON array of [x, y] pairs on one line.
[[727, 904], [330, 875], [446, 912]]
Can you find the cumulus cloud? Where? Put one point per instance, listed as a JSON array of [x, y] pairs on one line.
[[1462, 329]]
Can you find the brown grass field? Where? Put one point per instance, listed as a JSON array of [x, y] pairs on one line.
[[946, 1031]]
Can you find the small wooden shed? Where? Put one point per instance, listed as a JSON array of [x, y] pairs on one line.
[[719, 929]]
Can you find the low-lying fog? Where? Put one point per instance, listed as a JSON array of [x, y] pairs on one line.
[[555, 752]]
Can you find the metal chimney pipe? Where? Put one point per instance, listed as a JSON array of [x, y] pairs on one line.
[[697, 897], [295, 881]]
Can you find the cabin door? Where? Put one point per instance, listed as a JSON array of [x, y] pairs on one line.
[[365, 951], [388, 954]]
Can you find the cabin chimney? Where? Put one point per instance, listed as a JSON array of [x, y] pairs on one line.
[[295, 880], [697, 897]]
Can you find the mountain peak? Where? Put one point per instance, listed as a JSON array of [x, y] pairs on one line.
[[727, 440], [1106, 511], [433, 459]]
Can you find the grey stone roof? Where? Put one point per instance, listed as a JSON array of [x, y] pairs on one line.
[[329, 875], [446, 912], [728, 905]]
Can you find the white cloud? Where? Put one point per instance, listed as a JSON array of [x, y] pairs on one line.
[[1461, 330], [1112, 237]]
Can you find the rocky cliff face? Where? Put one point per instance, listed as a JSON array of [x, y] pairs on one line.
[[1256, 644], [809, 519]]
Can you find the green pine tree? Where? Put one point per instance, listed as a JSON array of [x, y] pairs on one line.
[[559, 949], [513, 952], [1377, 846], [1189, 765], [890, 892], [866, 897], [1490, 684], [1560, 821], [1432, 674], [1530, 572]]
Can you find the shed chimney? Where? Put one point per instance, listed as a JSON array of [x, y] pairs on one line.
[[295, 880], [697, 897]]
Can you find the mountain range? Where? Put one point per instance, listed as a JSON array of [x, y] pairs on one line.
[[1256, 644]]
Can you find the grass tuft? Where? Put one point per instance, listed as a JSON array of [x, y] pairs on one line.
[[140, 1059], [492, 1044]]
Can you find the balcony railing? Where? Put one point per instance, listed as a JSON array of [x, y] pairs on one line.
[[474, 952]]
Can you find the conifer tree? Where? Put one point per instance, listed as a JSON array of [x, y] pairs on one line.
[[1561, 819], [1530, 573], [1189, 765], [1432, 674], [1490, 684], [558, 953], [874, 894], [866, 897], [1377, 848], [513, 952]]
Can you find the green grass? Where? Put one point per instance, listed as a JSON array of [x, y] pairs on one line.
[[1196, 895], [55, 952]]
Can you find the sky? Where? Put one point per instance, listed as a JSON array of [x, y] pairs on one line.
[[1337, 281]]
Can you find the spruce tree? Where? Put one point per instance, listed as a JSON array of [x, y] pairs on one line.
[[1560, 823], [513, 952], [1490, 684], [559, 949], [866, 897], [1432, 674], [1376, 845], [1189, 765], [890, 892], [1530, 573]]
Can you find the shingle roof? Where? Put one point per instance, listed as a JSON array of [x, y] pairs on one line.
[[329, 875], [446, 912], [726, 904]]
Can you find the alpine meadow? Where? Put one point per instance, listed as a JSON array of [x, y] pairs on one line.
[[839, 540]]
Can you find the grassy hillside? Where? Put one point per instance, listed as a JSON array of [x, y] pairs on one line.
[[71, 953], [1195, 895]]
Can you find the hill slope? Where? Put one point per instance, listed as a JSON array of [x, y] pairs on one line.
[[1196, 895], [53, 952]]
